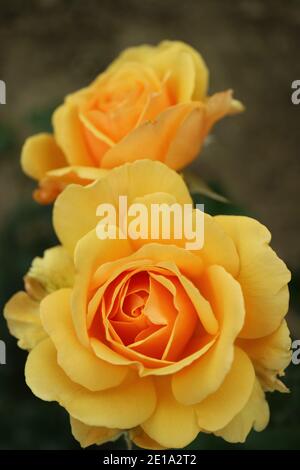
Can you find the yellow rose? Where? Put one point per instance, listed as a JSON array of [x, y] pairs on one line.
[[150, 337], [150, 103]]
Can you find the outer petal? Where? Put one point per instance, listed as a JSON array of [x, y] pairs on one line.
[[172, 424], [69, 135], [75, 208], [187, 142], [218, 106], [141, 439], [194, 383], [91, 252], [263, 276], [218, 247], [173, 49], [40, 154], [168, 59], [54, 182], [78, 362], [23, 320], [153, 139], [89, 435], [255, 414], [52, 271], [122, 407], [218, 409], [270, 356]]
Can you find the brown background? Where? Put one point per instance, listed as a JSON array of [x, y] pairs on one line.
[[49, 48]]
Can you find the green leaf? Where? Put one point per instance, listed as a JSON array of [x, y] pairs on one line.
[[198, 186]]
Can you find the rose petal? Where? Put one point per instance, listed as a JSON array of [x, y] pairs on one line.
[[90, 435], [41, 154], [218, 409], [270, 356], [263, 276], [75, 209], [255, 414], [69, 135], [193, 384], [78, 362], [172, 424], [90, 253], [23, 320], [105, 408]]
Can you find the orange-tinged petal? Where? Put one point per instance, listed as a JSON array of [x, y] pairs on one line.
[[218, 106], [79, 363], [186, 143], [41, 154], [194, 383], [152, 139], [218, 409], [172, 424], [262, 275], [148, 366], [54, 182], [90, 253], [201, 305], [104, 408], [160, 256]]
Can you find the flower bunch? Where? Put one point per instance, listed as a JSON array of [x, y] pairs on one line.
[[140, 334]]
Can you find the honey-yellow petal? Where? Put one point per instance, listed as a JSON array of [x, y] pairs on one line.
[[75, 209], [172, 424], [270, 356], [170, 52], [141, 439], [23, 320], [69, 135], [254, 415], [89, 435], [218, 409], [263, 276], [40, 154], [79, 363], [125, 406], [54, 270], [218, 247]]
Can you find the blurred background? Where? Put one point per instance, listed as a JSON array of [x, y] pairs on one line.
[[51, 47]]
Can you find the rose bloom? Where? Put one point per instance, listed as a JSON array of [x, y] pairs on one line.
[[151, 102], [145, 336]]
